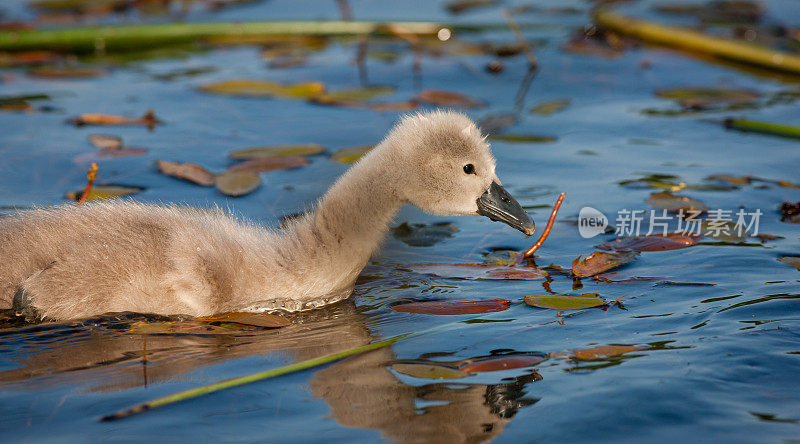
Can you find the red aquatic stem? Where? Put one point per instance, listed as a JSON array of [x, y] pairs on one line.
[[91, 176], [547, 229]]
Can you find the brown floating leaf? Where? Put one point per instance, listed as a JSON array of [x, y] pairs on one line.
[[350, 155], [601, 261], [306, 149], [427, 370], [522, 138], [564, 301], [733, 180], [149, 119], [27, 58], [393, 106], [105, 141], [264, 88], [794, 261], [547, 108], [181, 328], [269, 163], [704, 98], [237, 184], [495, 122], [675, 203], [100, 192], [724, 230], [108, 154], [187, 171], [603, 351], [460, 6], [66, 72], [356, 97], [498, 363], [252, 319], [478, 271], [447, 98], [653, 242], [454, 307]]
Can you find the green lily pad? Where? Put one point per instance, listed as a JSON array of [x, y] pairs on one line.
[[705, 98], [550, 107], [564, 302], [427, 370], [237, 184], [522, 138], [306, 149], [350, 155], [265, 88]]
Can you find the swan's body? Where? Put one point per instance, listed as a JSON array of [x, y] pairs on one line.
[[76, 261]]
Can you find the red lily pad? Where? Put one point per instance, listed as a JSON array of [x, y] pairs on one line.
[[653, 242], [479, 271], [454, 307], [601, 261], [269, 163], [506, 362]]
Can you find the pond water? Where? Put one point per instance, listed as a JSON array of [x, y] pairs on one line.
[[711, 362]]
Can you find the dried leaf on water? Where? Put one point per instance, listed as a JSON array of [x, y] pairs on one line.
[[550, 107], [652, 242], [305, 149], [454, 307], [675, 203], [427, 370], [355, 97], [350, 155], [269, 163], [564, 301], [790, 212], [706, 98], [600, 261], [263, 320], [237, 184], [105, 141], [794, 261], [423, 235], [264, 88], [602, 351], [460, 6], [187, 171], [181, 328], [493, 123], [522, 138], [66, 72], [148, 119], [452, 99], [100, 192], [478, 271], [502, 362], [723, 230]]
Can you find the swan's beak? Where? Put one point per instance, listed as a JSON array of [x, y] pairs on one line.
[[498, 205]]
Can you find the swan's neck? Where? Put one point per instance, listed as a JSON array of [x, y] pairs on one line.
[[336, 240]]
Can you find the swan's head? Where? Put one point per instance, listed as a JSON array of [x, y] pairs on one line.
[[444, 166]]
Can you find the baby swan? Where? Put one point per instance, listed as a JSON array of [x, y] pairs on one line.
[[71, 261]]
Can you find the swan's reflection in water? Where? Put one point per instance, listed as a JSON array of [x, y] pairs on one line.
[[361, 391]]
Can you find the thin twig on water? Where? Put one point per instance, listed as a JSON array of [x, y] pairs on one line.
[[547, 229]]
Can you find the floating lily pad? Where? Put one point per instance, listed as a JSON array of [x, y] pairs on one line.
[[263, 320], [427, 370], [265, 88], [148, 119], [187, 171], [237, 184], [493, 123], [424, 235], [269, 163], [461, 6], [550, 107], [723, 230], [478, 271], [181, 328], [675, 203], [350, 155], [653, 242], [790, 212], [601, 261], [454, 307], [564, 301], [603, 351], [105, 141], [66, 72], [522, 138], [794, 261], [306, 149], [352, 97], [452, 99], [705, 98], [101, 192], [502, 362]]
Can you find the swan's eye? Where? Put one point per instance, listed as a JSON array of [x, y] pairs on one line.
[[469, 168]]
